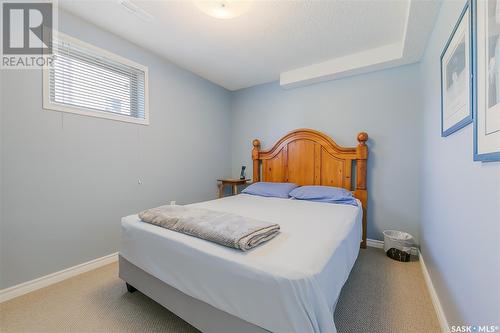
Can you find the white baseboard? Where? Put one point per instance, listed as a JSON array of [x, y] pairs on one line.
[[47, 280], [443, 322], [375, 243]]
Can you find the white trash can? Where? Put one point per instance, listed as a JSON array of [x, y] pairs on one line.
[[398, 244]]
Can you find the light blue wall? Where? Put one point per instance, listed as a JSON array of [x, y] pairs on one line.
[[1, 178], [68, 179], [386, 104], [460, 228]]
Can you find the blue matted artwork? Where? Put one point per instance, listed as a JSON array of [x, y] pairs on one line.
[[456, 77], [486, 83]]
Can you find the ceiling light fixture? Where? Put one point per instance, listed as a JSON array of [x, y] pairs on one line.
[[223, 9]]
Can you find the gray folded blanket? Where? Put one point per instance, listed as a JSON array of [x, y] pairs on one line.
[[227, 229]]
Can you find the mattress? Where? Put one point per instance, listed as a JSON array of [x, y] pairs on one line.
[[289, 284]]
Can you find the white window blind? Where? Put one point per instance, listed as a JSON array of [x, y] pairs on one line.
[[91, 81]]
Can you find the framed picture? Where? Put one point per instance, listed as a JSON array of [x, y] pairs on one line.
[[456, 79], [486, 83]]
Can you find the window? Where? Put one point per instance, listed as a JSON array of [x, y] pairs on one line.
[[90, 81]]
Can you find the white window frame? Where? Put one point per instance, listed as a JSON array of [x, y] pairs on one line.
[[51, 106]]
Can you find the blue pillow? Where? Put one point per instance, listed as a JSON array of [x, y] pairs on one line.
[[264, 189], [324, 194]]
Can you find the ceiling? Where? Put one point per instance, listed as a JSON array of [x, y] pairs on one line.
[[298, 42]]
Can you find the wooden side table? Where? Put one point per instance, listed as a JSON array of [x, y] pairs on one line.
[[222, 183]]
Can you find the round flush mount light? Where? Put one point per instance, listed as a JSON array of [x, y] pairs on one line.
[[223, 9]]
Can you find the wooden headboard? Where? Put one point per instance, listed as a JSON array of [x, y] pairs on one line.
[[309, 157]]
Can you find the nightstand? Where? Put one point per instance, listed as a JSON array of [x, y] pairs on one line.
[[234, 183]]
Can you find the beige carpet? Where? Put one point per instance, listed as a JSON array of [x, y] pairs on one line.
[[381, 295]]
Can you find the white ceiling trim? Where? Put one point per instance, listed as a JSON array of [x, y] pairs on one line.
[[337, 68], [392, 55]]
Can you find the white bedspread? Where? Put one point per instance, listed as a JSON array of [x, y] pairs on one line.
[[289, 284]]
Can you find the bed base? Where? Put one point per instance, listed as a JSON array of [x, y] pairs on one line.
[[199, 314], [130, 288]]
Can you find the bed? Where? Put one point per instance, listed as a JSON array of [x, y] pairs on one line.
[[289, 284]]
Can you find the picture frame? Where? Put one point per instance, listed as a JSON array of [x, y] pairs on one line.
[[486, 83], [456, 76]]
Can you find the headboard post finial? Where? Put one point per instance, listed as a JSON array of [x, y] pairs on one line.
[[362, 138], [256, 143], [255, 158]]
